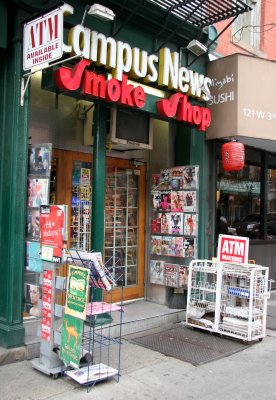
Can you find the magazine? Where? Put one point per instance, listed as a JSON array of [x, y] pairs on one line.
[[155, 181], [176, 246], [183, 274], [155, 225], [165, 223], [171, 275], [157, 272], [165, 201], [190, 201], [190, 247], [176, 223], [190, 177], [164, 179], [177, 200], [190, 224], [155, 245], [92, 373], [156, 199], [176, 178], [166, 245]]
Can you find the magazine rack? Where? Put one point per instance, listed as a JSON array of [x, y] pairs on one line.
[[101, 343]]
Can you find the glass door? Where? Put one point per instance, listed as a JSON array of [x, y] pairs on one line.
[[124, 247]]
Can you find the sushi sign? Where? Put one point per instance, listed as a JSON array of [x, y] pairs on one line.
[[233, 249]]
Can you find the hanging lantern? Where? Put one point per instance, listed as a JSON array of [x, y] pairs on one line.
[[232, 156]]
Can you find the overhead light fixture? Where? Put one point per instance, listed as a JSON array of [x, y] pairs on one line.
[[98, 11], [196, 47]]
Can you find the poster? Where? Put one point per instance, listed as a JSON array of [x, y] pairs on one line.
[[38, 191], [71, 338], [33, 224], [77, 291], [32, 297], [33, 259], [51, 232], [40, 160]]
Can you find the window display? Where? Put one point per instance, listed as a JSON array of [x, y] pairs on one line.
[[174, 224]]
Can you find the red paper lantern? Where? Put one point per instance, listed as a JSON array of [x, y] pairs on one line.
[[232, 156]]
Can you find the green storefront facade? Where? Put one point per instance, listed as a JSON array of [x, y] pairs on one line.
[[142, 25]]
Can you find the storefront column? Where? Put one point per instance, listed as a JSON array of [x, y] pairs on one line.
[[99, 165], [98, 188], [13, 186]]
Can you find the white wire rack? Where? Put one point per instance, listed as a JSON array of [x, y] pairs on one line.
[[230, 299]]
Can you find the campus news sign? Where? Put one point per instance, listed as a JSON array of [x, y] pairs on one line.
[[43, 43]]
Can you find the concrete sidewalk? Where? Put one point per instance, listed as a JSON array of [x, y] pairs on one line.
[[146, 374]]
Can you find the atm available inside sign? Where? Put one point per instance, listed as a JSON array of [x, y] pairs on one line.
[[233, 249]]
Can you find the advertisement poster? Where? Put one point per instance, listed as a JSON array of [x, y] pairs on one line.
[[77, 291], [51, 232], [71, 338]]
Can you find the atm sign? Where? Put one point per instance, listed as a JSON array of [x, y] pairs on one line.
[[43, 39], [233, 249]]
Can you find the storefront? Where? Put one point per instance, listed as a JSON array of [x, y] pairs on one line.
[[243, 109], [104, 178]]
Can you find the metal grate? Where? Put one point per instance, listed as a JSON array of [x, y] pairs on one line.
[[189, 345], [203, 13]]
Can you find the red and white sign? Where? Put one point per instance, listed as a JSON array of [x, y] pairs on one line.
[[51, 232], [43, 39], [233, 249]]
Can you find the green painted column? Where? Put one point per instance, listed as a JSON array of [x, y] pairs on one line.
[[98, 188], [13, 187]]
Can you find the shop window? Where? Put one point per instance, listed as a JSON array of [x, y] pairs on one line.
[[238, 201], [246, 28]]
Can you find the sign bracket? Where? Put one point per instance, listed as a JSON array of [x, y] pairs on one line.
[[26, 77]]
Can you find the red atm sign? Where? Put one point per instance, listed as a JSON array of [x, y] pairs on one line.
[[233, 249], [43, 39]]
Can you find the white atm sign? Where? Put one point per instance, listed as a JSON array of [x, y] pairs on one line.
[[42, 39], [233, 249]]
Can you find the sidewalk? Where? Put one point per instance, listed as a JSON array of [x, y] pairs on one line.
[[146, 374]]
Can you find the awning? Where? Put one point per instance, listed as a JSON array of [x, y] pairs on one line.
[[203, 13], [243, 98]]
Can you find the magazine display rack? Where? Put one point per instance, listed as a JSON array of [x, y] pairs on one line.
[[229, 299], [174, 225], [101, 339]]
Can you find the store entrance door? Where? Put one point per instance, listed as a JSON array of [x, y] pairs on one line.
[[124, 247]]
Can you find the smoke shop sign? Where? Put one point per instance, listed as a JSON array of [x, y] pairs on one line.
[[43, 38], [233, 249]]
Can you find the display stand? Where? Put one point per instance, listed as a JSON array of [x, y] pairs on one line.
[[53, 290], [101, 343], [229, 299]]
